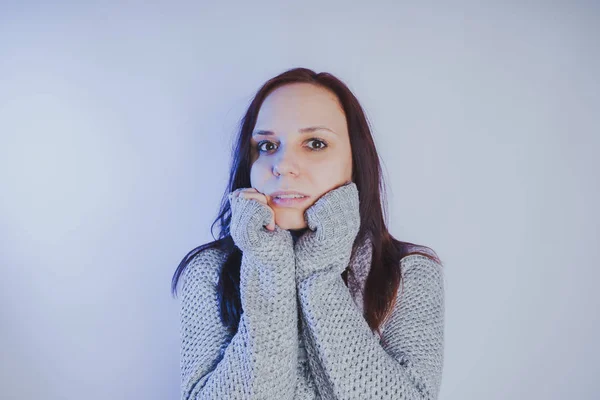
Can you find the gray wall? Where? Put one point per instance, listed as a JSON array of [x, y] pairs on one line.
[[116, 122]]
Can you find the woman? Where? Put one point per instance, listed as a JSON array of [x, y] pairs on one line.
[[306, 295]]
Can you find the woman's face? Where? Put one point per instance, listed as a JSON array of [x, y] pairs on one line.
[[311, 162]]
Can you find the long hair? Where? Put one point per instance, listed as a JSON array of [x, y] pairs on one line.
[[385, 275]]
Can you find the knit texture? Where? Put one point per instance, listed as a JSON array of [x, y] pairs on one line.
[[302, 334]]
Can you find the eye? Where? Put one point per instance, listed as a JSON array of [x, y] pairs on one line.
[[261, 143], [322, 146]]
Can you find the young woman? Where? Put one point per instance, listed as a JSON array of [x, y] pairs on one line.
[[306, 295]]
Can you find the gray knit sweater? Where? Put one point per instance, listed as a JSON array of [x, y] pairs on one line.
[[302, 334]]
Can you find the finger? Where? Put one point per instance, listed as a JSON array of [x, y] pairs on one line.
[[253, 195], [236, 192], [269, 203], [242, 189], [262, 198]]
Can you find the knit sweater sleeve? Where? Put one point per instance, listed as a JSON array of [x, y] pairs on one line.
[[350, 362], [259, 360]]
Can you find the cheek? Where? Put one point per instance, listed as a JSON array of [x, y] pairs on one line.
[[259, 172], [328, 171]]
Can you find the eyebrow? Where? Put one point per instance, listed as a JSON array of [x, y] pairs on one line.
[[310, 129]]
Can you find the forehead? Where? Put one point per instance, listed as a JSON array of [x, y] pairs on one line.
[[294, 106]]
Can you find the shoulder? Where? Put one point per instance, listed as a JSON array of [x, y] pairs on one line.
[[418, 259], [421, 294], [204, 267], [420, 269]]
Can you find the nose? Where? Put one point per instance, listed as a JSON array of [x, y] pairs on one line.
[[285, 162]]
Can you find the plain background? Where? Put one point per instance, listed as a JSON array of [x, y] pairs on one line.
[[117, 120]]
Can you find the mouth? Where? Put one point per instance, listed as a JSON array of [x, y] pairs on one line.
[[289, 200]]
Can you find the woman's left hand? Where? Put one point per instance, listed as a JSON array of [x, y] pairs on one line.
[[333, 222]]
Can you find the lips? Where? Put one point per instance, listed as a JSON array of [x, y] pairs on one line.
[[290, 201], [287, 192]]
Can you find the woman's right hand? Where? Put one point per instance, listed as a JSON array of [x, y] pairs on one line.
[[253, 220]]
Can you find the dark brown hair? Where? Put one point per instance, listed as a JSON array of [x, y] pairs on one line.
[[385, 275]]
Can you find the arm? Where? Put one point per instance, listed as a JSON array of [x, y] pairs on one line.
[[348, 360], [260, 360], [355, 364]]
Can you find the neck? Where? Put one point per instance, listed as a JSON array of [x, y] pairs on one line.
[[296, 233]]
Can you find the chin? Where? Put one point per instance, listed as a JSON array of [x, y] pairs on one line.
[[290, 218], [292, 226]]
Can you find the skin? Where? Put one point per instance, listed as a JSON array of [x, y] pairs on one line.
[[312, 163]]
